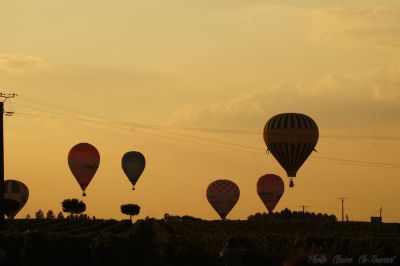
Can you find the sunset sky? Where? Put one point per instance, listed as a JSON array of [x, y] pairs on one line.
[[221, 67]]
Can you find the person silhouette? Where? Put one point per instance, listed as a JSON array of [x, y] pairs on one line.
[[233, 252]]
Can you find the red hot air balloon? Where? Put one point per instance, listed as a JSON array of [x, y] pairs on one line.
[[16, 194], [223, 195], [270, 188], [133, 164], [291, 138], [83, 160]]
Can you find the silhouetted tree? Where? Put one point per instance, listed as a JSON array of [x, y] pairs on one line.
[[130, 209], [73, 206], [50, 215], [60, 216], [39, 214], [83, 217], [28, 216]]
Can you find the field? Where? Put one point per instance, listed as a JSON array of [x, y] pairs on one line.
[[190, 241]]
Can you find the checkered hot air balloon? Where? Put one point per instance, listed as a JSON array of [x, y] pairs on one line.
[[291, 137], [133, 164], [83, 160], [16, 195], [270, 188], [223, 195]]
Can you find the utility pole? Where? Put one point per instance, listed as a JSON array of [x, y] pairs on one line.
[[4, 96], [342, 198], [303, 206]]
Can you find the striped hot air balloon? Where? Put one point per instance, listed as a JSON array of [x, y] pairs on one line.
[[270, 188], [16, 195], [291, 137], [222, 195], [83, 160]]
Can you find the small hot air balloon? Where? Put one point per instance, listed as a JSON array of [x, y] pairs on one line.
[[133, 164], [223, 195], [270, 188], [16, 194], [83, 160], [291, 137]]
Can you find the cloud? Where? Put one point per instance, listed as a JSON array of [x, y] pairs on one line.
[[21, 63], [378, 26], [368, 26], [334, 100]]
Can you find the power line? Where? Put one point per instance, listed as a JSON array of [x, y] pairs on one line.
[[179, 136], [357, 161], [209, 130], [205, 141], [140, 130], [357, 137]]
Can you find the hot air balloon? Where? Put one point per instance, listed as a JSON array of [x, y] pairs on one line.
[[223, 195], [83, 160], [16, 194], [270, 188], [133, 164], [291, 137]]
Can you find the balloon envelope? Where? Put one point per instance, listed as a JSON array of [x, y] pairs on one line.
[[133, 164], [223, 195], [291, 137], [16, 194], [270, 188], [83, 160]]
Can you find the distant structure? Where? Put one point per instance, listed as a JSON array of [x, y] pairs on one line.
[[342, 199], [377, 220], [304, 208], [3, 96]]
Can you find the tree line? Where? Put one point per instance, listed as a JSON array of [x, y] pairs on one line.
[[76, 208]]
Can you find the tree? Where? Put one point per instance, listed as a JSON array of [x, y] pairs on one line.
[[50, 215], [83, 217], [73, 206], [39, 214], [28, 216], [130, 209], [60, 216]]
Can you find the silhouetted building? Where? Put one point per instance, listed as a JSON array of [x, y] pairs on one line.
[[376, 220]]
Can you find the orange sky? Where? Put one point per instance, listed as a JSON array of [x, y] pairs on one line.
[[215, 64]]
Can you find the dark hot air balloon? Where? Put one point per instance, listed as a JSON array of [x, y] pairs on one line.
[[133, 164], [270, 188], [16, 194], [291, 137], [223, 195], [83, 160]]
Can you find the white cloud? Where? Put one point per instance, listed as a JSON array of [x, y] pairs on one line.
[[334, 100], [366, 26], [21, 63], [378, 26]]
